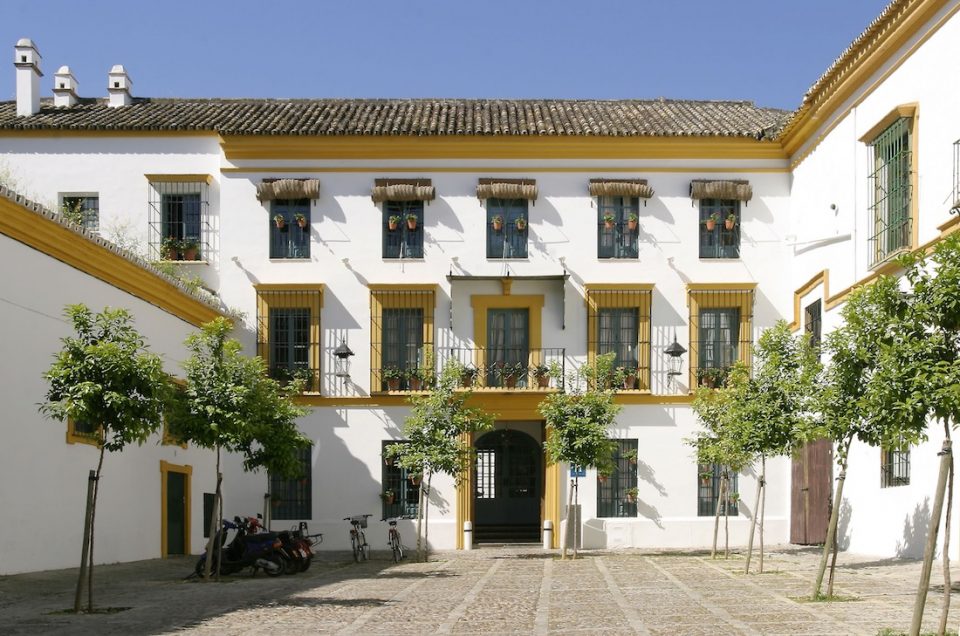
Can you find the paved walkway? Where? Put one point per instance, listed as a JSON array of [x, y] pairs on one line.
[[489, 590]]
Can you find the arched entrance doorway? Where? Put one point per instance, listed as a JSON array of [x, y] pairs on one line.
[[507, 488]]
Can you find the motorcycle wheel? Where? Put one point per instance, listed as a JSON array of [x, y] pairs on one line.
[[279, 561], [305, 565], [291, 566]]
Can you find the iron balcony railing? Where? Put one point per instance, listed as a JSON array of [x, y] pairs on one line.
[[509, 369]]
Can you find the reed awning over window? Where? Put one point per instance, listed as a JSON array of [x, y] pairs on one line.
[[507, 189], [730, 190], [403, 190], [620, 188], [271, 189]]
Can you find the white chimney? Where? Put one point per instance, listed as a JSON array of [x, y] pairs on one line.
[[119, 87], [27, 61], [64, 88]]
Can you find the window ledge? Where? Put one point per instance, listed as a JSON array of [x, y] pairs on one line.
[[726, 259], [510, 259], [886, 264], [305, 259], [404, 260], [178, 262]]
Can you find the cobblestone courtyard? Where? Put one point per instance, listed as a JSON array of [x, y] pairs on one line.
[[490, 591]]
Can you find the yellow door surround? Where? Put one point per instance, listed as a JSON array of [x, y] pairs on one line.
[[167, 467]]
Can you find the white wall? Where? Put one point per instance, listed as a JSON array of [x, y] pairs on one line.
[[43, 479]]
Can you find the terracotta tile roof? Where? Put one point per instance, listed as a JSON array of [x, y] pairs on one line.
[[414, 117]]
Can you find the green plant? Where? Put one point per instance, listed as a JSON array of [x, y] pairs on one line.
[[609, 219], [393, 222], [630, 455], [632, 217], [299, 218], [388, 496], [521, 223], [630, 494], [412, 217], [731, 218], [712, 377], [496, 220], [541, 371], [393, 373], [715, 216], [279, 220], [169, 248], [510, 373]]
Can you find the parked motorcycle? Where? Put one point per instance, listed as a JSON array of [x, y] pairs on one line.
[[297, 546], [246, 550]]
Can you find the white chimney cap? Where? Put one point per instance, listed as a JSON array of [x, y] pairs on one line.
[[26, 54], [63, 70], [26, 42], [118, 68]]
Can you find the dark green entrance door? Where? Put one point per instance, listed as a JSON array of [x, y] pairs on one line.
[[176, 512], [507, 488]]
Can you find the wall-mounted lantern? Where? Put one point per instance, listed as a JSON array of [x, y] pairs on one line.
[[342, 363], [675, 351]]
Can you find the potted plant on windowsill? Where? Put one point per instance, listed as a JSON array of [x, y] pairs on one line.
[[301, 220], [393, 223], [542, 373], [497, 222], [632, 220], [521, 224], [631, 456], [608, 221], [603, 477], [388, 496], [392, 376], [415, 478], [712, 377], [629, 376], [191, 249], [280, 221], [468, 376], [417, 378], [711, 221], [170, 249], [510, 374], [706, 478], [730, 221], [388, 458], [630, 495], [411, 221]]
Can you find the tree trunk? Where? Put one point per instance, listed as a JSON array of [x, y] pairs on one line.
[[947, 585], [93, 521], [576, 513], [78, 597], [753, 523], [763, 504], [215, 525], [563, 539], [716, 521], [420, 522], [726, 529], [426, 519], [833, 565], [832, 528], [931, 546]]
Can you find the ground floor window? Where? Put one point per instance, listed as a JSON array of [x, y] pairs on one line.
[[290, 498], [400, 495], [617, 492], [894, 467], [708, 490]]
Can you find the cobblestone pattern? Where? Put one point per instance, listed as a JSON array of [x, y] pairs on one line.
[[486, 591]]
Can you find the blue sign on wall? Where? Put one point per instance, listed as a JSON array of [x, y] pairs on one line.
[[578, 471]]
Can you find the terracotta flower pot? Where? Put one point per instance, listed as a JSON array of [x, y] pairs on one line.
[[631, 225], [608, 225], [393, 384], [729, 224], [497, 226], [711, 225], [510, 381], [411, 224], [389, 499], [302, 223], [630, 381], [543, 381], [172, 254], [392, 225], [281, 224], [416, 384], [602, 479], [190, 254], [466, 380], [414, 479]]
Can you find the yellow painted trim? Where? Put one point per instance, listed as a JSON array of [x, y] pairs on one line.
[[699, 297], [551, 495], [822, 277], [901, 111], [637, 295], [179, 178], [465, 493], [381, 298], [89, 439], [267, 300], [799, 134], [344, 147], [500, 169], [167, 467], [506, 285], [56, 241], [481, 304], [508, 405]]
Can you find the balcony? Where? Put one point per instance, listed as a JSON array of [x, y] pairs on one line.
[[510, 369]]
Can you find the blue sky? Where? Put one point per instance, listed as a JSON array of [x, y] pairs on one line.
[[768, 51]]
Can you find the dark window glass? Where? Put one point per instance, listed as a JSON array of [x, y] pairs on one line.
[[617, 332], [291, 498], [291, 240], [615, 238], [85, 428], [403, 241], [811, 323], [615, 491], [181, 216], [289, 342], [209, 499], [397, 480], [510, 240], [719, 337], [508, 346], [86, 208], [894, 467], [891, 190], [708, 493], [721, 241], [402, 340]]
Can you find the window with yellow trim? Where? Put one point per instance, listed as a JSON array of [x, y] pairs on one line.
[[891, 190], [401, 338], [83, 432], [721, 331], [168, 437], [618, 322], [288, 332]]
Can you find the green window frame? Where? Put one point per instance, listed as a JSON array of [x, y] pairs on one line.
[[618, 241], [708, 490], [618, 332], [719, 338], [509, 241], [292, 498], [393, 477], [508, 346], [402, 340], [289, 342], [291, 240], [719, 242], [403, 242], [612, 491], [891, 190]]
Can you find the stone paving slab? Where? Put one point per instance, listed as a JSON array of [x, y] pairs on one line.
[[500, 590]]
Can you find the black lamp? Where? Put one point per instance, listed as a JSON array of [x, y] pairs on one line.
[[675, 351], [342, 363]]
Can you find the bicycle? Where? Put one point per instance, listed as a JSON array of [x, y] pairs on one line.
[[358, 540], [393, 538]]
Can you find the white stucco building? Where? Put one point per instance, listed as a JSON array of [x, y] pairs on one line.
[[617, 249]]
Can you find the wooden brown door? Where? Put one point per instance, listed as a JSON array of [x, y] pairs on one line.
[[811, 494]]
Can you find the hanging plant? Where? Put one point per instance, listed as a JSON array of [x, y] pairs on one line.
[[730, 221], [393, 223], [280, 221], [608, 221], [632, 222], [301, 220], [411, 221], [521, 224], [711, 221], [497, 222]]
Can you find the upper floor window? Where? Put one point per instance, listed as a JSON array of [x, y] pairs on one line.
[[891, 190], [288, 332], [721, 321], [719, 228], [617, 222], [618, 322], [401, 337], [291, 498], [812, 317], [403, 229], [617, 492], [709, 478], [506, 228], [508, 347], [179, 217], [82, 209], [290, 228], [894, 466]]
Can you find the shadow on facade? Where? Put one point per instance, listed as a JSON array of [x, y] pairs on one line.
[[843, 525], [915, 528]]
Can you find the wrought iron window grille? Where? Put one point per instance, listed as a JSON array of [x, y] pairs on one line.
[[891, 191], [179, 227], [616, 492]]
